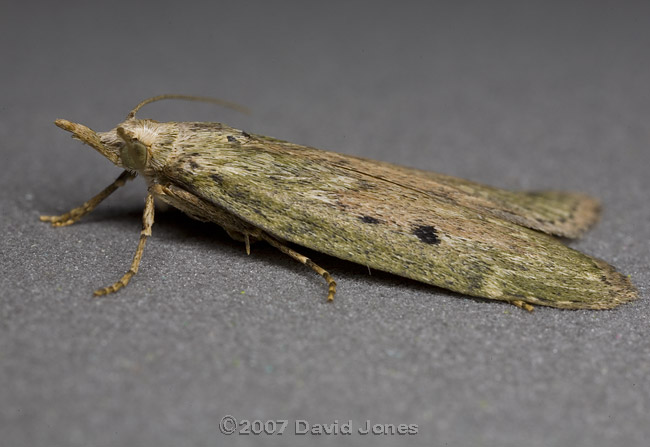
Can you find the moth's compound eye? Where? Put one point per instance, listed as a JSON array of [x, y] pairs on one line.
[[134, 155]]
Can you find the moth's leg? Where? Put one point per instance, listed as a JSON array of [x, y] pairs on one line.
[[75, 214], [234, 226], [147, 222], [523, 305], [205, 211], [304, 260], [247, 241], [242, 236]]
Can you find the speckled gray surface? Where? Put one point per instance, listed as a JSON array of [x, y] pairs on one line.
[[520, 96]]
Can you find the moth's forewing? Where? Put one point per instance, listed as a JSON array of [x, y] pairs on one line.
[[399, 220], [560, 213]]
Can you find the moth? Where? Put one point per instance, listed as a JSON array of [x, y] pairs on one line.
[[441, 230]]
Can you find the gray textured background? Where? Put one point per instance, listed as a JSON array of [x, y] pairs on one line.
[[517, 95]]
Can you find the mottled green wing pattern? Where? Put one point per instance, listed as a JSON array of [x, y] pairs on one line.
[[348, 208], [560, 213]]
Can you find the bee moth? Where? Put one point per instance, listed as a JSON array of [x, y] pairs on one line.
[[434, 228]]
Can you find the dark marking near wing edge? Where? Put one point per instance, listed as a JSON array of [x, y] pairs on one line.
[[341, 206], [246, 134], [258, 211], [199, 125], [365, 185], [369, 220], [217, 178], [232, 139], [426, 234]]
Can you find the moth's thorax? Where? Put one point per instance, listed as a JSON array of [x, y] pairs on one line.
[[202, 144]]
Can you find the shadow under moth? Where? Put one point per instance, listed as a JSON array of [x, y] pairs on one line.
[[437, 229]]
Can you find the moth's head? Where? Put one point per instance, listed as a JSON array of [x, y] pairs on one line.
[[137, 144], [128, 145]]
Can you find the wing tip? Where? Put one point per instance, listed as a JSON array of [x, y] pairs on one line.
[[573, 213], [620, 287], [586, 214]]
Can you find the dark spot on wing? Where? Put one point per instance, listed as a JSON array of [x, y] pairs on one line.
[[231, 139], [289, 229], [246, 134], [474, 282], [427, 234], [217, 178], [341, 206], [193, 164], [239, 194], [369, 220], [258, 211], [364, 185], [199, 125]]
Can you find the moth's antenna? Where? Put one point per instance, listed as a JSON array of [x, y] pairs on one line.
[[221, 102]]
